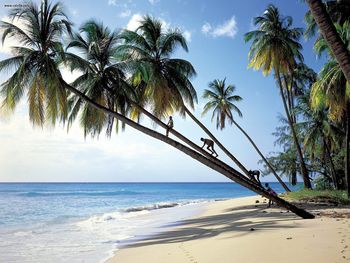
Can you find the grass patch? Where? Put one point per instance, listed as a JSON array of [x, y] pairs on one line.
[[329, 196]]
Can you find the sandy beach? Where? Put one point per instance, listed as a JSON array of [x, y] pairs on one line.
[[241, 230]]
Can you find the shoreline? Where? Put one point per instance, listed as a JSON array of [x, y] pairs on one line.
[[241, 230]]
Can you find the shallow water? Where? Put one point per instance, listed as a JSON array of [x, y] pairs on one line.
[[85, 222]]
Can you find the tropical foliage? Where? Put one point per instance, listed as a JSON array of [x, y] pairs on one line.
[[35, 61], [124, 74], [275, 47]]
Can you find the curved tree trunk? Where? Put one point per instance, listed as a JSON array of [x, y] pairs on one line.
[[236, 176], [330, 34], [261, 155], [304, 171]]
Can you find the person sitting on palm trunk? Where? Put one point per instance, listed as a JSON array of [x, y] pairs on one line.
[[170, 125]]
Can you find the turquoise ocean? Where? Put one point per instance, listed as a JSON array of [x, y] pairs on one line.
[[87, 222]]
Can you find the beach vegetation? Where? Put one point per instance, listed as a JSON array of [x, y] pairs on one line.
[[125, 74]]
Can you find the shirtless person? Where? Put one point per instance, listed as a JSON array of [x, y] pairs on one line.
[[271, 192], [210, 146], [253, 174], [170, 125]]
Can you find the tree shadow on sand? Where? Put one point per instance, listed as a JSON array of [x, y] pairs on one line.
[[236, 221]]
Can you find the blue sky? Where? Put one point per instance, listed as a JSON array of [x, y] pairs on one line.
[[214, 31]]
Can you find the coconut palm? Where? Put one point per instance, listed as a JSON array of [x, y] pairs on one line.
[[103, 78], [221, 100], [275, 47], [43, 45], [148, 52], [167, 88], [333, 91], [338, 10], [34, 60], [319, 133], [328, 31]]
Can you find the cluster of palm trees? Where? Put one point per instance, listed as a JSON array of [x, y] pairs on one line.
[[128, 74], [315, 133]]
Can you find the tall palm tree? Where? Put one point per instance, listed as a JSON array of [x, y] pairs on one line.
[[222, 99], [275, 47], [329, 32], [42, 47], [333, 90], [319, 133], [165, 81], [148, 52], [37, 74], [103, 78]]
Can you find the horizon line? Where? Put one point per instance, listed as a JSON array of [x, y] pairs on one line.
[[124, 182]]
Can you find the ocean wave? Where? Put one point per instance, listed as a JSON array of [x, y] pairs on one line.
[[80, 193], [132, 212], [151, 207]]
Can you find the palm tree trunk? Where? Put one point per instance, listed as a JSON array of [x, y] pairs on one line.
[[304, 171], [182, 138], [201, 125], [330, 34], [294, 178], [261, 155], [329, 157], [347, 140], [236, 176]]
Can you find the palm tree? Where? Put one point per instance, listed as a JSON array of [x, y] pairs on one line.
[[338, 10], [165, 81], [319, 133], [147, 52], [43, 45], [103, 79], [332, 90], [37, 73], [221, 99], [275, 47], [329, 32]]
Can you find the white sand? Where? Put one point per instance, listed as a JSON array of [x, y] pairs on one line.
[[238, 230]]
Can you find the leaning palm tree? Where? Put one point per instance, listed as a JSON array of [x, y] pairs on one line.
[[275, 47], [45, 44], [165, 81], [332, 90], [328, 31], [338, 10], [221, 99], [35, 61], [103, 78], [148, 54]]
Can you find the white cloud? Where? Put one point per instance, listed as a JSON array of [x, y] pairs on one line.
[[135, 19], [112, 2], [206, 28], [226, 29], [134, 22], [125, 13], [69, 76], [153, 2], [188, 35]]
